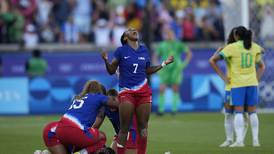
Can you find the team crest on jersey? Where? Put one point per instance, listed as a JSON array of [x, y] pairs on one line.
[[141, 58]]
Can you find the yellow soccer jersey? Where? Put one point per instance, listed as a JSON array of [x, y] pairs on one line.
[[243, 63]]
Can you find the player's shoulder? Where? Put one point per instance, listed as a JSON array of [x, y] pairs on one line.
[[257, 46]]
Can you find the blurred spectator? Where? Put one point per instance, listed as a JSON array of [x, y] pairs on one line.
[[267, 25], [133, 16], [189, 27], [82, 18], [70, 31], [102, 33], [36, 65], [43, 12], [118, 30], [12, 23], [62, 10], [30, 37], [27, 8]]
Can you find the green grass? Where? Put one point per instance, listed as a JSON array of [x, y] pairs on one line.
[[190, 133]]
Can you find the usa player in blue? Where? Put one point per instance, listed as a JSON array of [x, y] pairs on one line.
[[113, 116], [74, 128], [133, 61]]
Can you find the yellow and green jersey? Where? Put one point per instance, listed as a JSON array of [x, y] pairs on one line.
[[242, 63]]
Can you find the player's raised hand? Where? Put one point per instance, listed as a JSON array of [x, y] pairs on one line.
[[169, 60], [104, 55]]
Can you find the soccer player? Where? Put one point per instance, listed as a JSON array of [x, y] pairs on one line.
[[229, 110], [74, 128], [134, 92], [173, 75], [245, 57], [113, 116]]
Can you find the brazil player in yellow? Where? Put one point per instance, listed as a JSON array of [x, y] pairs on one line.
[[229, 109], [247, 68]]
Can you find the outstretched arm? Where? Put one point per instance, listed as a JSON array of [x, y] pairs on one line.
[[111, 67], [153, 69], [99, 118], [213, 62]]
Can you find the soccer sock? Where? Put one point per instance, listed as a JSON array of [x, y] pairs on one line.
[[161, 105], [141, 145], [175, 102], [239, 126], [245, 126], [229, 126], [254, 122]]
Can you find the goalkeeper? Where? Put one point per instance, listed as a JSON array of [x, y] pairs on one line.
[[172, 75]]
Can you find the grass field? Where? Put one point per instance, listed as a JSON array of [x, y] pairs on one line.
[[189, 133]]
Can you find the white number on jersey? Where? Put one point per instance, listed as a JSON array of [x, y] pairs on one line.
[[77, 104], [135, 68]]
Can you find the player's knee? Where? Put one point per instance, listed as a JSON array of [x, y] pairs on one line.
[[238, 109], [143, 132], [251, 109]]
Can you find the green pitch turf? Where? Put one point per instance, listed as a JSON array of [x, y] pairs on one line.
[[189, 133]]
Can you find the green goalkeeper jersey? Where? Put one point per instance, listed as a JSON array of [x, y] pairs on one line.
[[172, 74]]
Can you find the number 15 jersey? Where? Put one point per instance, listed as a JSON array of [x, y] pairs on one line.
[[243, 63], [132, 66]]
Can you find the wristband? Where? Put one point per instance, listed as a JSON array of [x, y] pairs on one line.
[[163, 64]]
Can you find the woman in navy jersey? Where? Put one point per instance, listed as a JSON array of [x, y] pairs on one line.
[[74, 129], [135, 97]]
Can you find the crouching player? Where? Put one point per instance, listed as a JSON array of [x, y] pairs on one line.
[[74, 129], [113, 115]]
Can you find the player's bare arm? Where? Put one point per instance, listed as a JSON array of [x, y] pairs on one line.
[[154, 69], [99, 118], [213, 62], [111, 67], [260, 69]]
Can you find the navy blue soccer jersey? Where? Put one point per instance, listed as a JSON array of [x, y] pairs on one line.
[[84, 111], [113, 116], [132, 66]]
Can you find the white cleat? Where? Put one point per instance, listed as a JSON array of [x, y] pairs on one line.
[[237, 144], [45, 152], [226, 143], [37, 152], [256, 144]]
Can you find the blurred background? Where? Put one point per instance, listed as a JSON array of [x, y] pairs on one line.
[[49, 48]]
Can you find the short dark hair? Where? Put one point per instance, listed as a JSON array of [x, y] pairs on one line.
[[36, 53], [122, 39], [112, 92]]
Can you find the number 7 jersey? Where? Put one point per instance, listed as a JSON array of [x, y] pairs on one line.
[[243, 63], [132, 66]]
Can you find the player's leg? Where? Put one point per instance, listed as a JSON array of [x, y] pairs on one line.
[[131, 144], [51, 141], [161, 99], [228, 121], [142, 114], [126, 110], [69, 134], [246, 122], [175, 81], [252, 100], [175, 98], [238, 99]]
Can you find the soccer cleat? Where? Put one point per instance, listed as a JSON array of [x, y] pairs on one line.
[[226, 143], [237, 144], [45, 152], [37, 152], [256, 144]]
